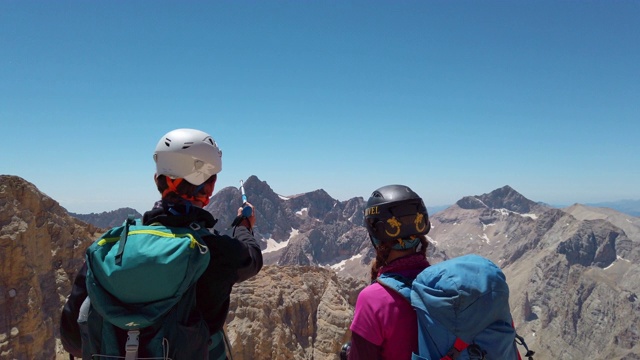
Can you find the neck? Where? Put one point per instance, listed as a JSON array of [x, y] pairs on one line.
[[395, 254]]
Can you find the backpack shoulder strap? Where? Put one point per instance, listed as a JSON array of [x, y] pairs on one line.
[[200, 229], [398, 283], [123, 238]]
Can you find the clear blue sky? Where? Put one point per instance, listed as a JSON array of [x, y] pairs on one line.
[[452, 98]]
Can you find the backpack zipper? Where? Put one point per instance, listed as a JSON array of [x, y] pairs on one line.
[[192, 239]]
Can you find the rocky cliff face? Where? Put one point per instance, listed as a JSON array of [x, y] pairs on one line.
[[41, 247], [578, 275], [291, 312]]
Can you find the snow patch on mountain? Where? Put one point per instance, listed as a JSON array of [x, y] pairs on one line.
[[507, 212], [485, 238], [485, 226], [613, 263], [273, 245], [340, 266]]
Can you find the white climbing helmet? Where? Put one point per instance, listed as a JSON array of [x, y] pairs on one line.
[[189, 154]]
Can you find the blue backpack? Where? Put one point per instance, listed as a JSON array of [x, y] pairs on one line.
[[462, 305], [141, 285]]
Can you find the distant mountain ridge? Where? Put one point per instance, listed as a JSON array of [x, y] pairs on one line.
[[631, 207], [107, 219]]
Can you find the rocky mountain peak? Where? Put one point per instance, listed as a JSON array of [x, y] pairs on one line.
[[316, 203], [471, 202], [507, 198], [503, 198]]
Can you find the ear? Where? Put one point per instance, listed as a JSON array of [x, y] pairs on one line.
[[155, 179]]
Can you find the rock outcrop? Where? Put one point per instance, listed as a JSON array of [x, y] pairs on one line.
[[41, 248], [291, 312]]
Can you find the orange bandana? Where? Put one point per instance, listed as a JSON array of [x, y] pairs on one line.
[[172, 187]]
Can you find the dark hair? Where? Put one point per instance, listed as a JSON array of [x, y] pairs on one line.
[[184, 188], [384, 249]]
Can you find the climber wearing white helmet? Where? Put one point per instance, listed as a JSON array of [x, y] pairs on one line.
[[187, 163]]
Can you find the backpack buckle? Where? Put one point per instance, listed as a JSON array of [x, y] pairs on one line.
[[131, 347], [476, 352], [195, 226], [458, 347], [452, 354]]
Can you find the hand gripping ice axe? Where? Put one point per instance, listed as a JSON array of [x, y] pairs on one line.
[[246, 209]]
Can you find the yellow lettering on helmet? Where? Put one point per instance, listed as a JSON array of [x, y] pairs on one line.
[[371, 211]]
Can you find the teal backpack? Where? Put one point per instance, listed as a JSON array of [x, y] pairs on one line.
[[462, 306], [141, 284]]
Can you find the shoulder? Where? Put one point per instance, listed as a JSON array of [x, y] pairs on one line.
[[378, 313], [376, 296], [372, 290]]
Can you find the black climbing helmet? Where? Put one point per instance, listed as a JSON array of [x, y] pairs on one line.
[[395, 212]]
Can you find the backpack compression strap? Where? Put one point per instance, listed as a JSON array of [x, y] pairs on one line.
[[123, 239], [520, 341]]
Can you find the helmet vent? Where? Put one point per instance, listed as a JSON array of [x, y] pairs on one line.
[[187, 145], [167, 142]]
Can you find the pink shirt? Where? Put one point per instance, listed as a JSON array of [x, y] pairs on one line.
[[385, 318]]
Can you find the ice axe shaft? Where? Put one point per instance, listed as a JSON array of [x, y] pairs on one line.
[[246, 209]]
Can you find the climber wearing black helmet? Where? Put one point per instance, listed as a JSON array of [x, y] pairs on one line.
[[384, 324]]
